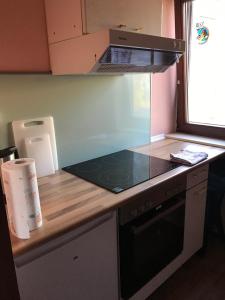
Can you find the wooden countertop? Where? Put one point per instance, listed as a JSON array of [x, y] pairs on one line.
[[68, 201]]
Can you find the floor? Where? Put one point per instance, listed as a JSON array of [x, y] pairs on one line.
[[201, 278]]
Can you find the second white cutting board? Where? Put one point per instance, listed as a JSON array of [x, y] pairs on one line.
[[39, 148], [23, 129]]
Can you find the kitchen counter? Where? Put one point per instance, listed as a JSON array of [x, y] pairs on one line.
[[68, 201]]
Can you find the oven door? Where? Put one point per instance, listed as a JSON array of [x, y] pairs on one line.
[[149, 243]]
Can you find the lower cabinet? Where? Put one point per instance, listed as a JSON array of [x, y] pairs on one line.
[[194, 219], [83, 268], [83, 264]]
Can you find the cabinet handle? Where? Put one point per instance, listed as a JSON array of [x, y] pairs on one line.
[[203, 172], [172, 192], [175, 191], [75, 257], [203, 190], [200, 173], [121, 26], [138, 29]]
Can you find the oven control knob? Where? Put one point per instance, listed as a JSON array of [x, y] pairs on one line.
[[134, 213], [141, 209], [148, 204]]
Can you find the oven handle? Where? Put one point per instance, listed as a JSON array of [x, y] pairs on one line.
[[139, 229]]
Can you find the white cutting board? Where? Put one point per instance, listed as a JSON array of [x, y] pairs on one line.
[[23, 129], [39, 148]]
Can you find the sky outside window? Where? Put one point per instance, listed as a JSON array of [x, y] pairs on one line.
[[206, 83]]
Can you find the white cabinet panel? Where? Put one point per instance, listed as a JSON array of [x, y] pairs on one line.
[[67, 19], [194, 219], [143, 16], [63, 19], [83, 269]]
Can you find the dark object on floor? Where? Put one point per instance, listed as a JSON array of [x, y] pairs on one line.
[[215, 209]]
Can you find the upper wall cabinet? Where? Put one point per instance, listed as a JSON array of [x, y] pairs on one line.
[[63, 19], [143, 16], [78, 30], [23, 37], [67, 19]]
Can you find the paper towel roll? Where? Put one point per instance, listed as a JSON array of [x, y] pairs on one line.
[[22, 196]]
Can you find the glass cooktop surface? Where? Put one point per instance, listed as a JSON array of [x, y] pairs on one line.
[[121, 170]]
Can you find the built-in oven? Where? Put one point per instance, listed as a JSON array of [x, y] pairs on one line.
[[151, 234]]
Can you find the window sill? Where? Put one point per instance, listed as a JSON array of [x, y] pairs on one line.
[[196, 139]]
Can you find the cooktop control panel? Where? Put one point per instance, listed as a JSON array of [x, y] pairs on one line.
[[152, 199]]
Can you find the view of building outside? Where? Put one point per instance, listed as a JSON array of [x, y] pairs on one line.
[[206, 80]]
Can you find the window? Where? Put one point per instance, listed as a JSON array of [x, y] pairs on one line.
[[201, 102]]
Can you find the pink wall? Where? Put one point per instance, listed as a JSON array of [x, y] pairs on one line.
[[163, 89], [23, 37]]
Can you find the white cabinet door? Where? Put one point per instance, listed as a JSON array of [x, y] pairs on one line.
[[83, 269], [194, 219], [63, 19], [143, 16]]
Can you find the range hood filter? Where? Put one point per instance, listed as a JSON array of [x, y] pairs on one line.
[[125, 59]]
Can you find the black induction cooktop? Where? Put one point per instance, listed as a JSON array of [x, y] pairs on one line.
[[121, 170]]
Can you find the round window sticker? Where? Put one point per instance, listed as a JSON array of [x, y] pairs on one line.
[[203, 33]]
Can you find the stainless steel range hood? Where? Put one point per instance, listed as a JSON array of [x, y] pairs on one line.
[[115, 51], [135, 52]]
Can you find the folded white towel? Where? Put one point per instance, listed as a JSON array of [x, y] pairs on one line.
[[188, 157]]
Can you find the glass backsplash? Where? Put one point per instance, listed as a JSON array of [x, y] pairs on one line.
[[93, 115]]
